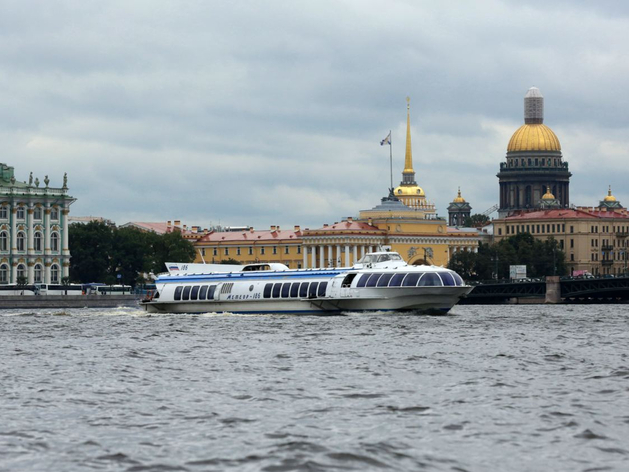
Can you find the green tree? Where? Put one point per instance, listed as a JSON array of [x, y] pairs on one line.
[[464, 263], [476, 221], [168, 247], [91, 246]]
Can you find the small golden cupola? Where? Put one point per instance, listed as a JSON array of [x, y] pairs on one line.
[[459, 198], [609, 202], [408, 192]]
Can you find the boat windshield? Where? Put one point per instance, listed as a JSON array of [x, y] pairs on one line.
[[373, 258]]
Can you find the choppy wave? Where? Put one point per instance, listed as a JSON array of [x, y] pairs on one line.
[[523, 388]]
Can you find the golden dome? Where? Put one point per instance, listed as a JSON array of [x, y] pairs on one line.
[[409, 191], [534, 137], [609, 197], [459, 198], [548, 195]]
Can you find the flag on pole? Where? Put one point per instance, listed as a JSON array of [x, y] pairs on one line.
[[386, 140]]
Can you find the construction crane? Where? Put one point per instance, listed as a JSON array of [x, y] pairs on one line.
[[490, 210]]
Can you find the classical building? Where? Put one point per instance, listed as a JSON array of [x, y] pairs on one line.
[[534, 164], [593, 239], [192, 233], [249, 246], [33, 229], [458, 211]]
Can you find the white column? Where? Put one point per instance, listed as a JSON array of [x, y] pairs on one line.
[[362, 251], [47, 272], [355, 253], [47, 235], [346, 256], [304, 249], [313, 258], [65, 269], [30, 229], [30, 272], [65, 248], [330, 258], [14, 272], [321, 256], [13, 245], [337, 261]]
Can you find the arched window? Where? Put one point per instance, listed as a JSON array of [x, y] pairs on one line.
[[20, 213], [54, 242], [4, 274], [21, 271], [21, 239], [54, 274], [37, 240], [37, 273], [37, 213], [4, 241]]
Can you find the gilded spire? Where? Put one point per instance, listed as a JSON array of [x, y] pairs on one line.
[[408, 159], [610, 197]]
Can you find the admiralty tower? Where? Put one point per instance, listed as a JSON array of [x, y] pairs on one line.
[[534, 164]]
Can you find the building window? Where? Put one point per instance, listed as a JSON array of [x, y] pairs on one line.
[[20, 213], [215, 252], [227, 251], [274, 249], [37, 237], [572, 229], [286, 250], [21, 239], [21, 271], [499, 231], [299, 252], [262, 251], [54, 274], [238, 251], [250, 250], [571, 243], [54, 213], [203, 251], [561, 244], [54, 242], [4, 241], [4, 213], [37, 273], [572, 257], [37, 213], [4, 274]]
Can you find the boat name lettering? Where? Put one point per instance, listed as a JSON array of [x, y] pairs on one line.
[[253, 296]]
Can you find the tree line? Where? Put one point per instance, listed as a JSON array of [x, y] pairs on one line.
[[541, 258], [102, 253]]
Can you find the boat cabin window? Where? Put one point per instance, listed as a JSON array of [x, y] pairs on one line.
[[294, 290], [363, 280], [384, 280], [373, 280], [267, 290], [276, 290], [178, 291], [256, 267], [194, 293], [457, 278], [396, 280], [186, 293], [347, 281], [322, 288], [210, 292], [411, 279], [203, 292], [373, 258], [303, 290], [312, 290], [447, 278], [430, 279], [285, 290]]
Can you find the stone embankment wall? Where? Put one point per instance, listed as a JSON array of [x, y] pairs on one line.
[[68, 301]]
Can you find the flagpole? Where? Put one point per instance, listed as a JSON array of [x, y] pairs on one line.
[[391, 158]]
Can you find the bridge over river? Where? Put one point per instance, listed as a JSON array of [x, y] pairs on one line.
[[552, 290]]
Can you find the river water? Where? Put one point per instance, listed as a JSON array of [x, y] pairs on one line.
[[500, 388]]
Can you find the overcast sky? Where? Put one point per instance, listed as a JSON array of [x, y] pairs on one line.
[[271, 112]]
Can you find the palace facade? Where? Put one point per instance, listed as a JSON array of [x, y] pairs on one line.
[[33, 229]]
